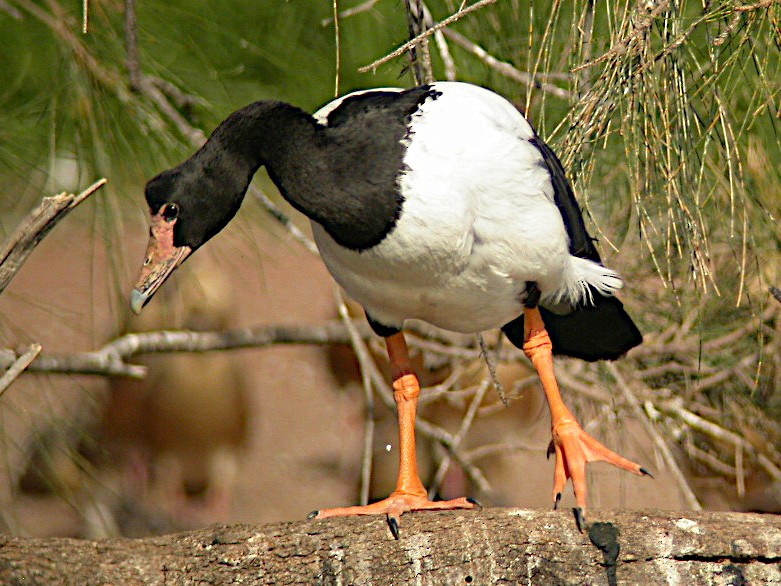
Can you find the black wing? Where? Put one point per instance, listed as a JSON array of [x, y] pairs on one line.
[[602, 331], [580, 242]]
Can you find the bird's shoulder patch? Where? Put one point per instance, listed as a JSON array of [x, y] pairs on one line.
[[398, 104]]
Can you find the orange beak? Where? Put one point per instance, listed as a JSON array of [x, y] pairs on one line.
[[162, 257]]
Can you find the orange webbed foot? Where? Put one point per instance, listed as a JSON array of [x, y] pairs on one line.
[[395, 506], [574, 448]]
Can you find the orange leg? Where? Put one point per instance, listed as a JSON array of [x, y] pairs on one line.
[[410, 494], [573, 446]]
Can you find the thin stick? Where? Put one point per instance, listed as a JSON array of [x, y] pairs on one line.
[[34, 228], [411, 43], [10, 10], [466, 425], [148, 87], [19, 365], [717, 432], [283, 219], [504, 68], [337, 49], [132, 61], [490, 362], [364, 358], [629, 396], [419, 55]]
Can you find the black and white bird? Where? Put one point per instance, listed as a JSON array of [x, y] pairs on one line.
[[438, 203]]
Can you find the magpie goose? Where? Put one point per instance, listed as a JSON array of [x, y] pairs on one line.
[[438, 203]]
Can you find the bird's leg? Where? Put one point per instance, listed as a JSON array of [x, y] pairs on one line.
[[410, 494], [573, 446]]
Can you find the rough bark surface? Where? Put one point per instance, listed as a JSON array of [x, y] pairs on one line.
[[496, 546]]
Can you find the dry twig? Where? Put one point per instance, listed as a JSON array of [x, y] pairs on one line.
[[719, 433], [505, 68], [658, 440], [364, 357], [35, 227], [18, 366], [413, 42]]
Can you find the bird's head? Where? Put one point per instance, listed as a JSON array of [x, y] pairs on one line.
[[188, 205]]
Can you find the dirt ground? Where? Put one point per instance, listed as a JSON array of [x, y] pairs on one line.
[[247, 436]]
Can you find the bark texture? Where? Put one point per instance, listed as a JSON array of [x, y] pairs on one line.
[[496, 546]]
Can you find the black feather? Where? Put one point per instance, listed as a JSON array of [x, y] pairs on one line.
[[602, 331]]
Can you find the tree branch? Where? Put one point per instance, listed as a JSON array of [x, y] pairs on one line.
[[505, 68], [18, 366], [509, 546], [35, 227], [110, 359], [421, 37]]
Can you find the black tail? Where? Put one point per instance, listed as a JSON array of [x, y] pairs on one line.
[[603, 331]]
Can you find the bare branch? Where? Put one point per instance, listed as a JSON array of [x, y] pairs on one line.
[[10, 10], [364, 358], [84, 17], [19, 365], [275, 212], [35, 227], [643, 23], [413, 42], [363, 7], [490, 362], [505, 68], [658, 440], [702, 425], [419, 54], [466, 425], [151, 88], [110, 360], [131, 45]]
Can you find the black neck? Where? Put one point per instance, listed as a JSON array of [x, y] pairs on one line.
[[317, 170], [267, 133]]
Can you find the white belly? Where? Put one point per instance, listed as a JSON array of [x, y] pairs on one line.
[[465, 278]]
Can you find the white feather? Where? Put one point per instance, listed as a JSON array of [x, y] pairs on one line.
[[478, 221]]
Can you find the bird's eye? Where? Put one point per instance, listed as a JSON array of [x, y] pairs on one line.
[[170, 212]]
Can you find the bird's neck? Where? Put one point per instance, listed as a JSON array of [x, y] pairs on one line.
[[314, 170], [280, 137]]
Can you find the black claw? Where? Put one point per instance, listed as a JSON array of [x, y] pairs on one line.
[[313, 514], [556, 501], [645, 472], [469, 499], [580, 518], [393, 523], [551, 450]]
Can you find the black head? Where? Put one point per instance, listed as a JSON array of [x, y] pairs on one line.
[[191, 203], [206, 196], [188, 205]]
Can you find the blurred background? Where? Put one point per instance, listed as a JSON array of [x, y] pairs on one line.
[[667, 116]]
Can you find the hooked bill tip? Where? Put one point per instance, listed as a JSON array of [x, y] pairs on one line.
[[137, 301]]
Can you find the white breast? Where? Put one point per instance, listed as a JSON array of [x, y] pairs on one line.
[[478, 221]]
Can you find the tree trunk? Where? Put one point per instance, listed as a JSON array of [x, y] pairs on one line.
[[496, 546]]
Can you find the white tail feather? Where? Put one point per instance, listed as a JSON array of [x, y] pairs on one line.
[[581, 274]]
